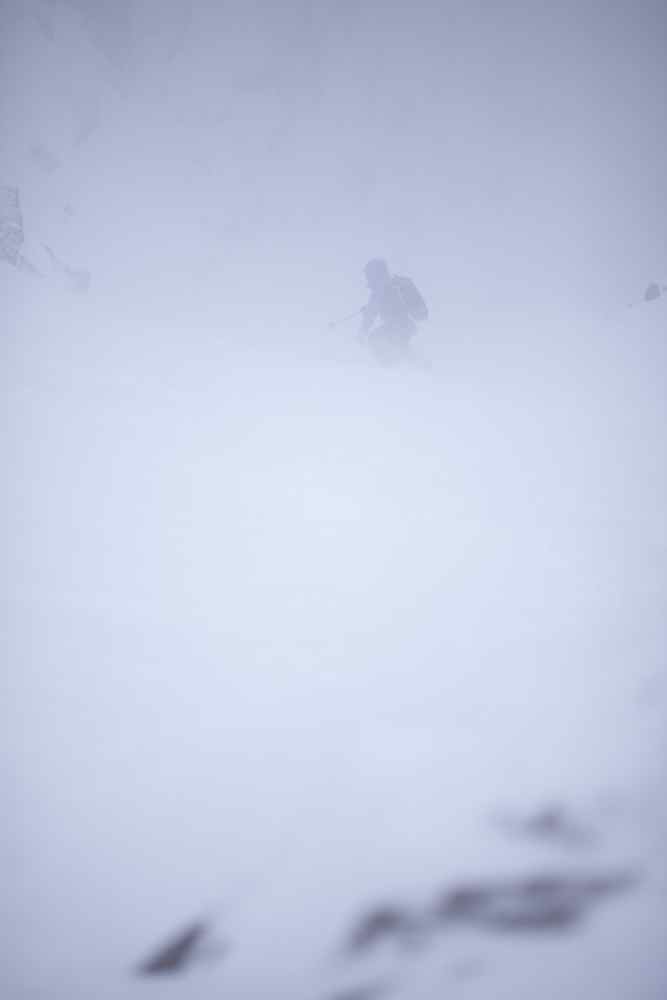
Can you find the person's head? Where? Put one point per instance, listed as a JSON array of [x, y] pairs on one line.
[[377, 273]]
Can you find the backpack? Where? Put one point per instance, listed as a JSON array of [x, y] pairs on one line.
[[411, 297]]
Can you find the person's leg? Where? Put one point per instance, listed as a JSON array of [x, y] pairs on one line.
[[383, 344]]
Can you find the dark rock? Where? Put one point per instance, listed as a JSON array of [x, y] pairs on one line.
[[11, 226], [383, 922], [177, 953], [463, 901], [370, 991], [538, 903], [551, 824]]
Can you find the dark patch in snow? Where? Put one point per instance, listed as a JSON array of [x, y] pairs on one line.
[[384, 922], [653, 291], [552, 824], [536, 903], [11, 226], [367, 992], [178, 952]]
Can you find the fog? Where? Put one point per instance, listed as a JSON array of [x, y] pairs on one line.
[[295, 639]]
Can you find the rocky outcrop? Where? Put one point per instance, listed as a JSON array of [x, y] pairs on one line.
[[11, 226]]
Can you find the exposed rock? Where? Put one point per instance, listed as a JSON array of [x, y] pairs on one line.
[[177, 953], [536, 903], [384, 922], [12, 239], [11, 226], [369, 991], [553, 824], [652, 292], [544, 902]]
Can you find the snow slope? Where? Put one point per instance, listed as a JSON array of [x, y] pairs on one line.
[[290, 635]]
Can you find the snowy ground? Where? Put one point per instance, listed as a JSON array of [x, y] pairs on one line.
[[291, 636], [287, 635]]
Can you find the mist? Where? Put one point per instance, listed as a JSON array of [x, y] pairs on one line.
[[327, 677]]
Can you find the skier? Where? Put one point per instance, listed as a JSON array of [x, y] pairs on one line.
[[396, 303]]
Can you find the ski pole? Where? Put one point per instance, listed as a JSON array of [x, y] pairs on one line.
[[344, 319]]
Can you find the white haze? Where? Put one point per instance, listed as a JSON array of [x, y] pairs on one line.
[[286, 629]]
